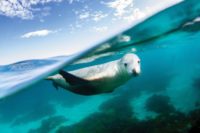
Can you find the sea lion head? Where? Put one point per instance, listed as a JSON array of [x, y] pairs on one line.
[[131, 64]]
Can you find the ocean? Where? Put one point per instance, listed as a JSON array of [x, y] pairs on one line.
[[165, 98]]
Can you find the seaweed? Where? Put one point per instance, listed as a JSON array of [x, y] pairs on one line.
[[194, 118], [116, 116], [159, 104]]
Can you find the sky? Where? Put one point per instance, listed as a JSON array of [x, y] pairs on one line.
[[35, 29]]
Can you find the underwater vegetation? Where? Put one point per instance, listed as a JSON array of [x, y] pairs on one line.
[[113, 115], [116, 116], [195, 121], [159, 104]]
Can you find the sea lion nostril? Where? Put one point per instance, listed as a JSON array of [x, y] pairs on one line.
[[135, 73]]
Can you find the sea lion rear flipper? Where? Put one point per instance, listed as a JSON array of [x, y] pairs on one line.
[[72, 79]]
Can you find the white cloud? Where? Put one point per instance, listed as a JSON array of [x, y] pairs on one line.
[[97, 16], [71, 1], [120, 6], [92, 15], [38, 33], [136, 14], [84, 15], [101, 29], [87, 15], [128, 10], [14, 8], [21, 8]]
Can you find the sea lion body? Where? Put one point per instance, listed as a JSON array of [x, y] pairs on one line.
[[98, 79]]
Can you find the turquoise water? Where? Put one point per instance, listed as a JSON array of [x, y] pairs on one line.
[[164, 98]]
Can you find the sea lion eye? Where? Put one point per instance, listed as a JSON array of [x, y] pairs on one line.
[[125, 64], [138, 61]]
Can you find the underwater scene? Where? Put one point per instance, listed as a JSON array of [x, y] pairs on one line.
[[164, 97]]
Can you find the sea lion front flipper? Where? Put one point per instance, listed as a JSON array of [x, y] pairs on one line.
[[72, 79], [79, 85]]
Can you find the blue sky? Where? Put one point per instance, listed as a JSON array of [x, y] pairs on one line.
[[33, 29]]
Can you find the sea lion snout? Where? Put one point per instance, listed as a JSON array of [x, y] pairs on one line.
[[135, 72]]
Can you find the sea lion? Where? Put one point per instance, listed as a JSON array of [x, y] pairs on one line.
[[98, 79]]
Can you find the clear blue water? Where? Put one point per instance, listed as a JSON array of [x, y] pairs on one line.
[[164, 98]]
